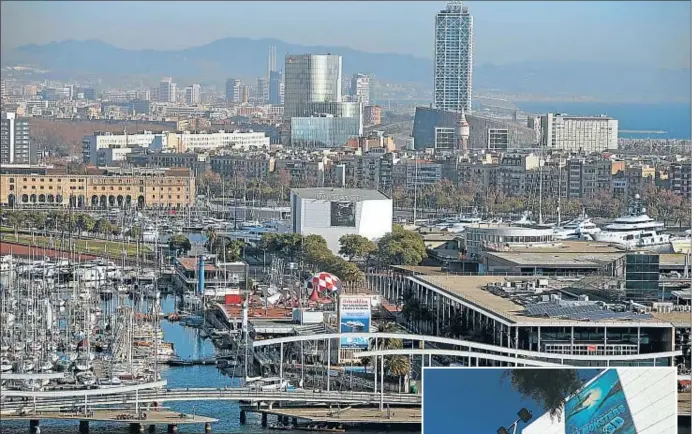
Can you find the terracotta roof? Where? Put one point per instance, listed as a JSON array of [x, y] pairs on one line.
[[190, 264]]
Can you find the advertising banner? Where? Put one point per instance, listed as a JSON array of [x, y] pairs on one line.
[[354, 317], [600, 408]]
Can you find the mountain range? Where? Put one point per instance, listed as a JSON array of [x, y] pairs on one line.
[[247, 58]]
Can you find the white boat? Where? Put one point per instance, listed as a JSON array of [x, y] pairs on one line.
[[5, 365], [634, 231], [7, 263], [580, 228], [86, 378]]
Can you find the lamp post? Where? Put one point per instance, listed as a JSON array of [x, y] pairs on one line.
[[524, 416]]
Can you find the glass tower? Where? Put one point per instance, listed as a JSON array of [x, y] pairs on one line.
[[453, 58]]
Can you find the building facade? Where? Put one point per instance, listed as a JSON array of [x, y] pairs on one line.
[[310, 78], [585, 134], [360, 88], [167, 90], [372, 115], [276, 88], [15, 143], [453, 58], [332, 213], [193, 95], [143, 188], [233, 90]]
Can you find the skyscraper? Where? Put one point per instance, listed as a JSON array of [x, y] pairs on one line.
[[313, 106], [262, 90], [275, 80], [310, 78], [453, 58], [360, 88], [15, 145]]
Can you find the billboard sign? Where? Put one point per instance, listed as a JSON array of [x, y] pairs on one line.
[[599, 408], [343, 214], [354, 317]]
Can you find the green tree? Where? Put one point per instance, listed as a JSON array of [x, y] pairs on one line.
[[134, 232], [103, 227], [547, 387], [356, 247], [16, 219], [179, 243], [401, 247], [85, 223], [226, 249]]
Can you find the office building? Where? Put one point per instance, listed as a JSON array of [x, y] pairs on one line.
[[334, 212], [262, 90], [276, 88], [233, 90], [15, 144], [585, 134], [360, 89], [244, 94], [169, 188], [167, 90], [453, 58], [310, 78], [313, 107], [484, 132], [193, 95]]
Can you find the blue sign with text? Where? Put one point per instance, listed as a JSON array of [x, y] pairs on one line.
[[599, 408]]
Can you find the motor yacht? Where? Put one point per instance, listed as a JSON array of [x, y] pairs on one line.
[[635, 230]]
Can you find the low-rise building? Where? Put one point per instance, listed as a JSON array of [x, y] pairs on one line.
[[142, 188]]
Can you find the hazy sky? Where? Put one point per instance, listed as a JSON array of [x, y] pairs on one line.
[[632, 31]]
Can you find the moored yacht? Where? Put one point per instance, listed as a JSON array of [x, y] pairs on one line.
[[580, 228], [635, 230]]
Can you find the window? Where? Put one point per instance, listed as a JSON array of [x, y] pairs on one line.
[[11, 179]]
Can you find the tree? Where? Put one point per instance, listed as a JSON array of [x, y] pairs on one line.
[[398, 365], [179, 243], [134, 232], [36, 219], [401, 247], [547, 387], [226, 249], [102, 226], [85, 223], [15, 219], [356, 246]]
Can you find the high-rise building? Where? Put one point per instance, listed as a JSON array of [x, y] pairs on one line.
[[453, 58], [360, 88], [262, 90], [313, 108], [193, 95], [271, 61], [275, 88], [585, 134], [15, 145], [244, 94], [167, 90], [2, 89], [233, 91], [310, 78]]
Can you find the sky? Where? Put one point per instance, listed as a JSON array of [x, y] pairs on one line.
[[505, 32], [474, 400]]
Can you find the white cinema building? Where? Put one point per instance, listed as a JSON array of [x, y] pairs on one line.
[[334, 212]]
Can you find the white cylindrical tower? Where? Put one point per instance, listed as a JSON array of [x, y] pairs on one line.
[[462, 133]]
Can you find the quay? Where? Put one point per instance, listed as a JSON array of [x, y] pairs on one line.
[[157, 417], [363, 418]]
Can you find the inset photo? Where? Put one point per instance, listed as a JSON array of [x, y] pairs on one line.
[[633, 400]]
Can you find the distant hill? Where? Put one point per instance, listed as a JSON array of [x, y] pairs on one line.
[[245, 58]]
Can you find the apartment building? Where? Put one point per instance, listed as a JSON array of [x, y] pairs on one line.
[[248, 167], [587, 176], [680, 176], [15, 143]]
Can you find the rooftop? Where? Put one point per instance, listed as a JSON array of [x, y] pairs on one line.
[[556, 259], [190, 264], [342, 194], [471, 289]]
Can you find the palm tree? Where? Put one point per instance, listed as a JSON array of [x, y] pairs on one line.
[[398, 365], [547, 387]]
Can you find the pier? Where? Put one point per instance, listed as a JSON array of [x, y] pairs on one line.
[[157, 417]]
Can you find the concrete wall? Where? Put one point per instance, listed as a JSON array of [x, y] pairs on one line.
[[651, 394]]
